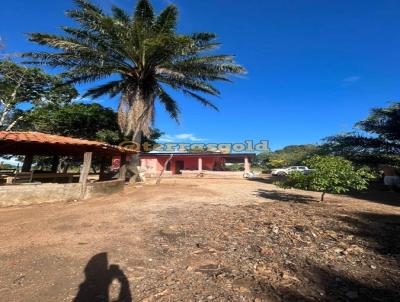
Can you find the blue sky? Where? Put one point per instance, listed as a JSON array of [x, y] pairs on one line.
[[315, 67]]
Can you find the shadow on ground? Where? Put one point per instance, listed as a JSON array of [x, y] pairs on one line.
[[331, 285], [269, 179], [380, 232], [379, 196], [99, 277], [285, 197]]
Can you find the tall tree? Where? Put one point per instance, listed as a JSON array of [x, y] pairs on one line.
[[139, 55], [383, 122], [30, 87], [377, 143]]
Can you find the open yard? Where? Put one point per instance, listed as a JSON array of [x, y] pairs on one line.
[[203, 240]]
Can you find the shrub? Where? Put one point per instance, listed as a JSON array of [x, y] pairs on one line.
[[331, 174], [234, 167]]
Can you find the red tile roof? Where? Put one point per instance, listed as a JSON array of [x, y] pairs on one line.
[[49, 139]]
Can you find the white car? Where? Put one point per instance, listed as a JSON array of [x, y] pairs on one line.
[[286, 171]]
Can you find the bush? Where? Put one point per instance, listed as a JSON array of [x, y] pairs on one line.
[[331, 174], [234, 167]]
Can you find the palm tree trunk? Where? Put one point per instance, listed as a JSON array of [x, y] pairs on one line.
[[135, 116], [134, 161]]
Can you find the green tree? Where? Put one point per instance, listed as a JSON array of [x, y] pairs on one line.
[[381, 145], [331, 174], [263, 160], [140, 55], [88, 121], [289, 156], [30, 86], [384, 122]]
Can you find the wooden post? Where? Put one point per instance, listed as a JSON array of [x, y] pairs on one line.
[[122, 167], [102, 167], [65, 164], [55, 161], [87, 162], [200, 164], [27, 165], [246, 165]]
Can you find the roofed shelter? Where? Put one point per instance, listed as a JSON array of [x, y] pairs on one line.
[[30, 144]]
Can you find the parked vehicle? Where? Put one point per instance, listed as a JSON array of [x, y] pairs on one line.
[[288, 170]]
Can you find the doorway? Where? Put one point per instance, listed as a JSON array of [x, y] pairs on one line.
[[179, 165]]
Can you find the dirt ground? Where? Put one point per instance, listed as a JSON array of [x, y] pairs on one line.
[[204, 240]]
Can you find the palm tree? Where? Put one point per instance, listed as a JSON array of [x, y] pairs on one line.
[[140, 56]]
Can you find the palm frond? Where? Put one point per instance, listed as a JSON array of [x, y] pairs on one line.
[[112, 88], [144, 13], [88, 16], [171, 106], [201, 99], [87, 5], [204, 41], [86, 75], [166, 21], [64, 43], [189, 83], [120, 15]]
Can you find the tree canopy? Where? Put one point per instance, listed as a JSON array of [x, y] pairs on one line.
[[378, 143], [288, 156], [331, 174], [384, 122], [30, 87], [87, 121]]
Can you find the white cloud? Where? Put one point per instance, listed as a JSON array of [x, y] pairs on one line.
[[189, 136], [167, 138], [86, 100], [352, 79]]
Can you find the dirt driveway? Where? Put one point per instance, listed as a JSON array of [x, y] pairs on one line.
[[203, 240]]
